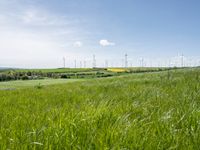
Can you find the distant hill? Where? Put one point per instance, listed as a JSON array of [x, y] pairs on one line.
[[5, 68]]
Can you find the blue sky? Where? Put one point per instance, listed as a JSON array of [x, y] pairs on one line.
[[38, 33]]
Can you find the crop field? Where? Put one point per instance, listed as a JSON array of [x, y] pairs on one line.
[[72, 73], [155, 110], [76, 70]]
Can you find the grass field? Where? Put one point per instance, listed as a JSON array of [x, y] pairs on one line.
[[34, 83], [137, 111]]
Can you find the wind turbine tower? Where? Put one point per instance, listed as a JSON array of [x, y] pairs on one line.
[[84, 64], [94, 61], [126, 60], [75, 63], [63, 62], [182, 60], [106, 63]]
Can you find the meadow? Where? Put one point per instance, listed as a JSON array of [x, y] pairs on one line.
[[33, 83], [156, 110]]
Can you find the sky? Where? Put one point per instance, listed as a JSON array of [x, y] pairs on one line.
[[39, 33]]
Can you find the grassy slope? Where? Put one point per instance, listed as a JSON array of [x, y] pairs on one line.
[[150, 111], [33, 83]]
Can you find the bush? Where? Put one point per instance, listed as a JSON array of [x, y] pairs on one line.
[[64, 76], [6, 77], [29, 73], [24, 77]]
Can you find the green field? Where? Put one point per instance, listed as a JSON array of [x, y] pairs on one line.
[[79, 70], [33, 83], [66, 70], [72, 73], [159, 110]]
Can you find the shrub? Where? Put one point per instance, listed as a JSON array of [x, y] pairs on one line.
[[24, 77], [64, 76]]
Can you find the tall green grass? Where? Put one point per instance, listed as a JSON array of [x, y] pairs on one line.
[[141, 111]]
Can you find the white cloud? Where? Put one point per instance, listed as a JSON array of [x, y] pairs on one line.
[[106, 43], [32, 36], [77, 44]]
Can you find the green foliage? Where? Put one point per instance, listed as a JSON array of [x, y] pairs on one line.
[[24, 77], [39, 86], [135, 111]]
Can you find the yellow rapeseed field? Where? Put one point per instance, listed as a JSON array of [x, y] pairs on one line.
[[117, 70]]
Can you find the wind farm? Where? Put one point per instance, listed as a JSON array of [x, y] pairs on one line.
[[99, 74]]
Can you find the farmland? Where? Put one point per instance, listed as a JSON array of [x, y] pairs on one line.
[[71, 73], [153, 110]]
